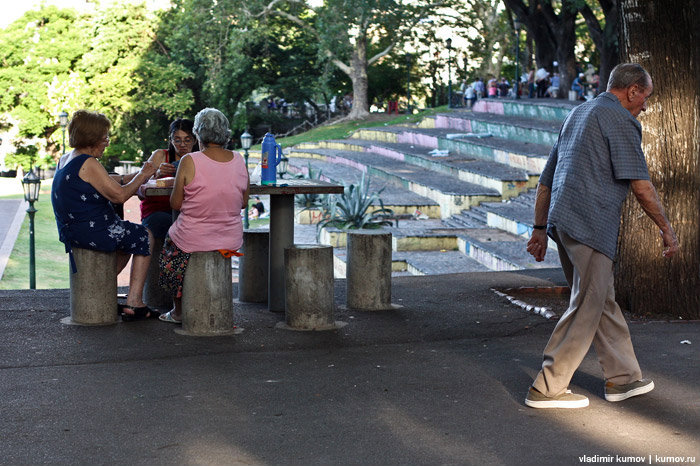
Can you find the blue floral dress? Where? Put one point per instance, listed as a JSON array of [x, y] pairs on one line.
[[87, 220]]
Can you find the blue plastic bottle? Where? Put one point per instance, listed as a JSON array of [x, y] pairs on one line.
[[271, 155]]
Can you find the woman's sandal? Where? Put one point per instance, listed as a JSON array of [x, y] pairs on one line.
[[140, 313], [168, 317]]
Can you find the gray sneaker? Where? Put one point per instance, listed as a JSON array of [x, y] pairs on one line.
[[535, 399], [622, 392]]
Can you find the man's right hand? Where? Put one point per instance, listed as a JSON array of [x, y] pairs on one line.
[[537, 246]]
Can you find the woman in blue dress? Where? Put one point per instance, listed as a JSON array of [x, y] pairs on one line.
[[81, 194]]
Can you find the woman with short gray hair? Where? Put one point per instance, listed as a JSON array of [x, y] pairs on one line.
[[211, 126], [211, 188]]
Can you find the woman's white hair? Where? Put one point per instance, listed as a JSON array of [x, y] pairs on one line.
[[211, 126]]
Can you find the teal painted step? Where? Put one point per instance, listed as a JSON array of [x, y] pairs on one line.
[[543, 109], [529, 157], [501, 251], [503, 126]]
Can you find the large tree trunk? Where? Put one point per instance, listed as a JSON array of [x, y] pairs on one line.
[[358, 75], [563, 26], [537, 28], [664, 39], [605, 38]]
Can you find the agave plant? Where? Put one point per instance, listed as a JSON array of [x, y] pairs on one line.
[[350, 209], [308, 201]]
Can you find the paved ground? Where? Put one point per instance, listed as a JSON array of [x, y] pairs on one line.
[[439, 381]]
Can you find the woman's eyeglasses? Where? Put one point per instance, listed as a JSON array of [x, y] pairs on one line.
[[178, 141]]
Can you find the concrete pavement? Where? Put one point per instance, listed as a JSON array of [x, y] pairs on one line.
[[439, 381]]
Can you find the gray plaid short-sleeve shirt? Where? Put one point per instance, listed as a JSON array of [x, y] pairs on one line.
[[589, 171]]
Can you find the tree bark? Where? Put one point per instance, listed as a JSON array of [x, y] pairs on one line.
[[538, 29], [605, 38], [563, 27], [360, 83], [664, 39]]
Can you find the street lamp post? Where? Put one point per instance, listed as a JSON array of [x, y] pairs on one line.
[[282, 166], [31, 184], [449, 73], [409, 110], [246, 141], [516, 25], [63, 121]]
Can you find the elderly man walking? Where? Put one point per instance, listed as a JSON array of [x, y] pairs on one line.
[[590, 169]]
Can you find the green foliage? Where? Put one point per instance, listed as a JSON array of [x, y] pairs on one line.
[[350, 209], [36, 52]]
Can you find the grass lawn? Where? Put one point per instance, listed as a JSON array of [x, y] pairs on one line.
[[344, 129], [51, 258]]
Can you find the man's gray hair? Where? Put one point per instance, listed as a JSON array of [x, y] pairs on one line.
[[211, 126], [625, 75]]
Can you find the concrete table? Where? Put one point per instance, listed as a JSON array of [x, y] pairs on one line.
[[281, 225]]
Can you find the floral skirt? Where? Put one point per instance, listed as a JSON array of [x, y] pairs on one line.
[[173, 263]]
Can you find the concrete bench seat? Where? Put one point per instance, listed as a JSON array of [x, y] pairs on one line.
[[207, 295], [93, 288]]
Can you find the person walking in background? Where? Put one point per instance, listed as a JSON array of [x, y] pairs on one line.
[[479, 88], [211, 188], [579, 87], [590, 169]]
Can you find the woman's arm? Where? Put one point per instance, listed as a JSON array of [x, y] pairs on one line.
[[94, 173], [185, 173]]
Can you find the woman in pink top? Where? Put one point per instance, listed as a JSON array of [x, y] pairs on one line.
[[211, 187]]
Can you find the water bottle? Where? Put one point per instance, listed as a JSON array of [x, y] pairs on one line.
[[270, 158]]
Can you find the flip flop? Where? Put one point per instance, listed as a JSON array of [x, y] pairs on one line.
[[140, 313], [168, 317]]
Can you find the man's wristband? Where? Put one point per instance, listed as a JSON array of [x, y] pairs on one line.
[[539, 227], [122, 181]]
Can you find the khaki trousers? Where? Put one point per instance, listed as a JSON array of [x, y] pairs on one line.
[[593, 316]]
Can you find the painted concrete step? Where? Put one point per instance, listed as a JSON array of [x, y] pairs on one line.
[[543, 109], [418, 263], [528, 156], [451, 193], [514, 128], [400, 200], [500, 250], [507, 180]]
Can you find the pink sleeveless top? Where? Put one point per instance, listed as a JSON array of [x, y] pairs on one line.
[[210, 216]]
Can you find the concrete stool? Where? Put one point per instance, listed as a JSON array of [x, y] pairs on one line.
[[154, 295], [369, 270], [309, 294], [207, 295], [93, 288], [253, 267]]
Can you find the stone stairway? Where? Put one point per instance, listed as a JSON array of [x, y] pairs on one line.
[[471, 173]]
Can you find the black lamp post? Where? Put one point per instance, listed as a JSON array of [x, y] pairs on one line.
[[282, 166], [246, 141], [63, 121], [31, 184], [516, 25], [409, 110], [449, 73]]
